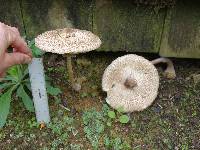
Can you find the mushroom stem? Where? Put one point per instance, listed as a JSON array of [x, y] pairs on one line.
[[170, 71], [130, 83], [75, 86], [70, 70]]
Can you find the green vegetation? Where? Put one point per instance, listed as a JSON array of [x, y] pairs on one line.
[[35, 51], [82, 121], [122, 118], [17, 84], [93, 126]]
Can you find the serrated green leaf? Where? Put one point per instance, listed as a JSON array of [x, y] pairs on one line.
[[20, 72], [10, 78], [5, 100], [13, 71], [124, 119], [25, 72], [111, 114], [25, 98], [4, 86]]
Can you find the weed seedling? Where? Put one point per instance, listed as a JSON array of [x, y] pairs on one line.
[[118, 116]]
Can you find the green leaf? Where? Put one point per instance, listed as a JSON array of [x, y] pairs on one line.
[[107, 141], [13, 71], [109, 124], [28, 85], [57, 100], [10, 78], [53, 91], [124, 119], [4, 86], [31, 43], [47, 79], [20, 72], [111, 114], [16, 72], [25, 98], [5, 100], [35, 50], [25, 72]]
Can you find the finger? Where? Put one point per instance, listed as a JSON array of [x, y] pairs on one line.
[[14, 59], [16, 41], [3, 74], [3, 38], [15, 30], [14, 50]]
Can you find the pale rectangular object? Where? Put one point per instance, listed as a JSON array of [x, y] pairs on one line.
[[38, 86]]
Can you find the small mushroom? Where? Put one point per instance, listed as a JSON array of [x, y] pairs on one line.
[[131, 82], [170, 71], [68, 41]]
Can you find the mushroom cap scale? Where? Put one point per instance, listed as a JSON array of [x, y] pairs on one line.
[[67, 40], [144, 81]]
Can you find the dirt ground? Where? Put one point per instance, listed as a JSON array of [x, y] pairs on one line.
[[171, 122]]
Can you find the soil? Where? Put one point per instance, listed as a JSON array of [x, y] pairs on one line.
[[171, 122]]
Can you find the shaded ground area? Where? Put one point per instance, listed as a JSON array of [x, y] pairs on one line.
[[172, 122]]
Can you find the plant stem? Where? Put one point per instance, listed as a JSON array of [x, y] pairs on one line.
[[70, 70]]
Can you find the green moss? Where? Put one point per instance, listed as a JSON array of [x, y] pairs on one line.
[[180, 37], [11, 14], [83, 14], [46, 15], [123, 26]]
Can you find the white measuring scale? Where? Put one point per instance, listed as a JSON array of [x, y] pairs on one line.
[[39, 92]]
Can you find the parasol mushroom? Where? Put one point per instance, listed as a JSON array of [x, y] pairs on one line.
[[68, 41], [131, 82], [170, 71]]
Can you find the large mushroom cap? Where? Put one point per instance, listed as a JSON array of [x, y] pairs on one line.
[[131, 82], [67, 40]]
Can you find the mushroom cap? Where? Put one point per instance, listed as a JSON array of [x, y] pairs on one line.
[[67, 40], [131, 83]]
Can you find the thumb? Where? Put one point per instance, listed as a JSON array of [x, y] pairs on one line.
[[16, 58]]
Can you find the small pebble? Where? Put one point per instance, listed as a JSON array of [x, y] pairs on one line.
[[76, 87]]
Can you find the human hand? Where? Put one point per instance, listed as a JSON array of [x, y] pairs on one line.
[[10, 36]]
